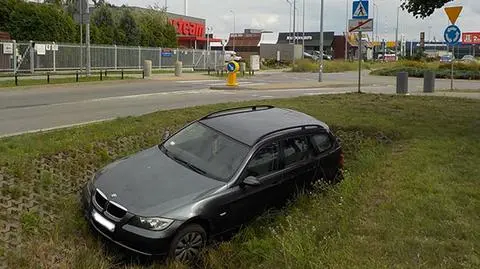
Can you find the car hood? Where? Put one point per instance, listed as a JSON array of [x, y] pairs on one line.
[[149, 183]]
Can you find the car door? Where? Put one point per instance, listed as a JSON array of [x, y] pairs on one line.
[[241, 202], [298, 163], [328, 155]]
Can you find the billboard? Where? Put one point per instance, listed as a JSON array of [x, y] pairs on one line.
[[471, 38]]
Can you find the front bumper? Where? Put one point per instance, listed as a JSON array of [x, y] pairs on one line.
[[138, 240]]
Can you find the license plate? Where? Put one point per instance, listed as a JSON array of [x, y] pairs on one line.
[[103, 221]]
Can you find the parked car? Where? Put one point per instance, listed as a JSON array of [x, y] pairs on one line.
[[446, 58], [307, 55], [232, 56], [469, 59], [209, 178]]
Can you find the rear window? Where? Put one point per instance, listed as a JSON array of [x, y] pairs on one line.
[[322, 141]]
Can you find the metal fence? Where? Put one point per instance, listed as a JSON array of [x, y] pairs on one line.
[[49, 56]]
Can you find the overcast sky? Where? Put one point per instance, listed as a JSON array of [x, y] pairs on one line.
[[274, 15]]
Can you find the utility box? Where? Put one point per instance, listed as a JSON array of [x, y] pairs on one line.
[[178, 68], [254, 62]]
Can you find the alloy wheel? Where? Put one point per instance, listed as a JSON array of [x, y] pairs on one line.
[[189, 247]]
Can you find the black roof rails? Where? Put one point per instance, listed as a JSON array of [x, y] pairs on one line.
[[303, 127], [232, 111]]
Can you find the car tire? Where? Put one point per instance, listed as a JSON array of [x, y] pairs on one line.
[[188, 243]]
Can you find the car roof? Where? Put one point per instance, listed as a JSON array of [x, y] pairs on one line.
[[248, 126]]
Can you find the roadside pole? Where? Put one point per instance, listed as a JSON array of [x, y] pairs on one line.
[[451, 70], [320, 71], [360, 56], [87, 40]]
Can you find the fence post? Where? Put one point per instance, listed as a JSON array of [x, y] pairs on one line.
[[204, 59], [193, 58], [139, 57], [32, 57], [116, 56], [54, 57], [160, 59], [14, 56], [215, 66]]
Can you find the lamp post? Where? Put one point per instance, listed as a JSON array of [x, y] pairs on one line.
[[396, 33], [290, 29], [234, 29], [320, 71], [303, 26], [346, 32]]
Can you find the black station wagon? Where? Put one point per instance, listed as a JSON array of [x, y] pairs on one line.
[[209, 178]]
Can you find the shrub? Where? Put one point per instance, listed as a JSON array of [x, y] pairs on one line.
[[305, 65]]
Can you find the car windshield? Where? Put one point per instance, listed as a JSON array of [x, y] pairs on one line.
[[206, 151]]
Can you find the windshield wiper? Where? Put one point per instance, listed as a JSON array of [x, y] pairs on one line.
[[189, 165]]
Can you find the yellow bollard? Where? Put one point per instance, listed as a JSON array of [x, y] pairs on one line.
[[232, 69]]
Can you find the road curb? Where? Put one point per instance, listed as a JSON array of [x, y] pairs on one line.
[[285, 86]]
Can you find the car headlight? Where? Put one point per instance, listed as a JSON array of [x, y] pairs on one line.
[[154, 224]]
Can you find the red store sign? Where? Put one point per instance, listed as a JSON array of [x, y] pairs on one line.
[[471, 38], [185, 27]]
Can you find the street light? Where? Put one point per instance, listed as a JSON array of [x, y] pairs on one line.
[[234, 26], [396, 33], [320, 71], [290, 27]]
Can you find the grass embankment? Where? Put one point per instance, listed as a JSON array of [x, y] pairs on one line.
[[418, 69], [410, 198], [25, 81], [307, 65]]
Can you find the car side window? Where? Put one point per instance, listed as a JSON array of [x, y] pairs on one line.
[[264, 162], [296, 150], [322, 141]]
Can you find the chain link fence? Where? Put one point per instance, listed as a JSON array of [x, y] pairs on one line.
[[49, 56]]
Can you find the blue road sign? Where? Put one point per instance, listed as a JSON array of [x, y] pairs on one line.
[[360, 9], [452, 35], [230, 67]]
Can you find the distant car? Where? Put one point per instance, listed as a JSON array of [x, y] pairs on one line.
[[310, 56], [232, 56], [469, 58], [209, 178], [325, 56], [446, 59]]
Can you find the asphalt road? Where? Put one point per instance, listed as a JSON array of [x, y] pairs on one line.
[[43, 108]]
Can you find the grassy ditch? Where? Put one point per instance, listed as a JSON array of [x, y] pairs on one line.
[[410, 198]]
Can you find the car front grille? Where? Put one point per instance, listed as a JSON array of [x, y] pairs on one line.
[[100, 199], [116, 210]]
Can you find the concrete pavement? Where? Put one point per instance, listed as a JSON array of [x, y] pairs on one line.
[[32, 109]]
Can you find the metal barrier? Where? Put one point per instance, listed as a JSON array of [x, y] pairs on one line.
[[49, 56]]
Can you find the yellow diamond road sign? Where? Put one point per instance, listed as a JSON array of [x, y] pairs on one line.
[[453, 13]]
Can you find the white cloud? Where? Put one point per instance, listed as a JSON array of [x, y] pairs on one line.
[[274, 15]]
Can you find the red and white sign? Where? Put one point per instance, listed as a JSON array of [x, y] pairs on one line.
[[471, 38], [357, 25], [188, 28]]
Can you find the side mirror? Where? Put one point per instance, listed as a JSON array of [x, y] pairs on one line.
[[251, 181]]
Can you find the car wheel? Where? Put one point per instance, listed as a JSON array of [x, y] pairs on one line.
[[188, 243]]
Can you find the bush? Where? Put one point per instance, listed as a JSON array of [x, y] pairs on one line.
[[305, 65]]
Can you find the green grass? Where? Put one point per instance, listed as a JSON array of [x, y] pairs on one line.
[[307, 65], [410, 198], [417, 69], [25, 81]]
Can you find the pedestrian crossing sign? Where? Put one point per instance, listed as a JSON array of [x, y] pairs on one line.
[[360, 9]]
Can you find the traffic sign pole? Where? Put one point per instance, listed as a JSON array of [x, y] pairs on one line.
[[360, 62], [451, 69]]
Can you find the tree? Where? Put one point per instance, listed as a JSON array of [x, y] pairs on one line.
[[102, 19], [128, 29], [423, 8]]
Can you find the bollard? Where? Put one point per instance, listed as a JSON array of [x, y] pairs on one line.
[[402, 82], [208, 70], [178, 68], [122, 73], [48, 78], [16, 79], [147, 68], [143, 74], [218, 73], [429, 81], [243, 67], [76, 77], [105, 72], [101, 75]]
